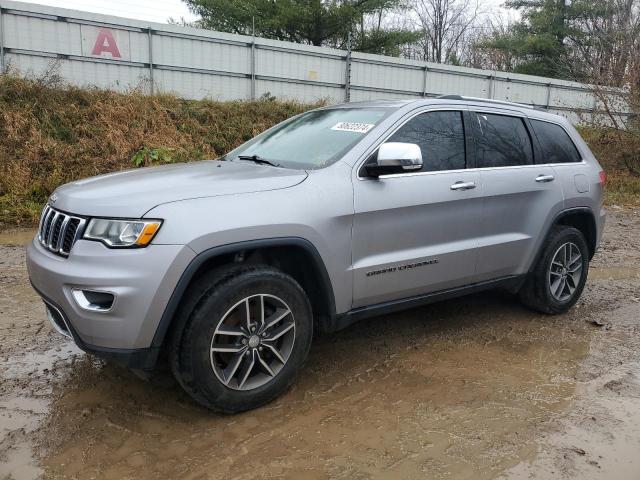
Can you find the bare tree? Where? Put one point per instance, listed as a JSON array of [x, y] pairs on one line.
[[473, 54], [605, 42], [444, 24]]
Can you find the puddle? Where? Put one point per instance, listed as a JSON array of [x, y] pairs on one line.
[[17, 237], [23, 413], [600, 437], [449, 391]]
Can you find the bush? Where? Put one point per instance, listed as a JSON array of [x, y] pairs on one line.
[[619, 154]]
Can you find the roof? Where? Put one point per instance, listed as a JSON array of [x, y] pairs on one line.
[[430, 101], [530, 110]]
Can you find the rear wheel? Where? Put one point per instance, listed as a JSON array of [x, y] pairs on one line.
[[558, 278], [245, 339]]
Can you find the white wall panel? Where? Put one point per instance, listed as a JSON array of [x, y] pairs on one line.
[[121, 78], [360, 95], [441, 83], [387, 76], [297, 66], [195, 63], [201, 54], [299, 91], [198, 85], [28, 33]]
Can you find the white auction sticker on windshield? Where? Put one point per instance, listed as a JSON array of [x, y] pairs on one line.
[[353, 127]]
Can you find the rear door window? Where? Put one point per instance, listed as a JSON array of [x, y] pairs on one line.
[[555, 143], [502, 141], [440, 136]]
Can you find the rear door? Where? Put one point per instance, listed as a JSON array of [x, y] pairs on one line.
[[574, 174], [416, 232], [519, 194]]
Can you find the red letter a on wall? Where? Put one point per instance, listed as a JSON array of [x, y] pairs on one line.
[[106, 43]]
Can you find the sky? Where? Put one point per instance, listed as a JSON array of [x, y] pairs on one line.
[[160, 10], [149, 10]]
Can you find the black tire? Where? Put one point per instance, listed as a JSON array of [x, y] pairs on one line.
[[536, 292], [191, 340]]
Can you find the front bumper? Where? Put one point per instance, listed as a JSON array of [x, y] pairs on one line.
[[142, 281]]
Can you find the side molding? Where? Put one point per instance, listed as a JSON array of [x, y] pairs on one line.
[[201, 258], [346, 319]]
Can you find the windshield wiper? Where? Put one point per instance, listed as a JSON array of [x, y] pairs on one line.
[[258, 159]]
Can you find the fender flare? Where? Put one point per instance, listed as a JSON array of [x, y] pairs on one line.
[[204, 256]]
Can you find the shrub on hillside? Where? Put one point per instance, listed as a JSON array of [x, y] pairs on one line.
[[52, 133]]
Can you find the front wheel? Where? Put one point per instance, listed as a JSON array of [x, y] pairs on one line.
[[559, 276], [245, 340]]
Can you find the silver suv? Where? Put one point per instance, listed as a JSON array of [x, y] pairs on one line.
[[228, 267]]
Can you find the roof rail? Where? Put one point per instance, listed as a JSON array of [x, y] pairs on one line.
[[488, 100]]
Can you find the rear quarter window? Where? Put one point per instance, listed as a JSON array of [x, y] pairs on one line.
[[555, 143]]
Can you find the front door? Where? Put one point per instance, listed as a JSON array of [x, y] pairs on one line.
[[417, 232]]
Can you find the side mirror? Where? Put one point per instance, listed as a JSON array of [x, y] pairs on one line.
[[395, 157]]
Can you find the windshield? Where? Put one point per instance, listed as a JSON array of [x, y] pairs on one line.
[[312, 140]]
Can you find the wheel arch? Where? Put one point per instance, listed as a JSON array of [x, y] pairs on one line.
[[295, 256], [582, 219]]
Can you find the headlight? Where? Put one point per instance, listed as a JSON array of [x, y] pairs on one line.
[[122, 233]]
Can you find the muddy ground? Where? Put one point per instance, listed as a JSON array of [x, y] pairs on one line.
[[473, 388]]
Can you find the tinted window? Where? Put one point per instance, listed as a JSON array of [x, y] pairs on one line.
[[556, 145], [440, 136], [502, 141]]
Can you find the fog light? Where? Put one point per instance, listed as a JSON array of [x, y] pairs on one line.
[[93, 300]]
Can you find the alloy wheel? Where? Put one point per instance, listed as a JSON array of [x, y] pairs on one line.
[[565, 271], [252, 342]]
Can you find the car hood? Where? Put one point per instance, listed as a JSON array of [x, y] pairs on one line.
[[132, 193]]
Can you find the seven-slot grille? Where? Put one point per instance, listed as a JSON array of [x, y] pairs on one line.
[[59, 231]]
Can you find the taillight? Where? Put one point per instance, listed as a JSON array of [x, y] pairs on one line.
[[603, 177]]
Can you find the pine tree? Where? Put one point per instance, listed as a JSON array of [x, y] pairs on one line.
[[314, 22]]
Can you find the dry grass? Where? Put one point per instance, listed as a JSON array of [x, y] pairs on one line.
[[52, 133]]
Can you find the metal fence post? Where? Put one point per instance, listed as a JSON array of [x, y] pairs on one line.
[[492, 79], [347, 73], [1, 42], [253, 59], [424, 81], [548, 100], [150, 61]]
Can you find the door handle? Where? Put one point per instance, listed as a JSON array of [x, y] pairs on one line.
[[463, 186], [544, 178]]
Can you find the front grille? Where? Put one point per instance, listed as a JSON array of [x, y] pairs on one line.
[[58, 231]]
